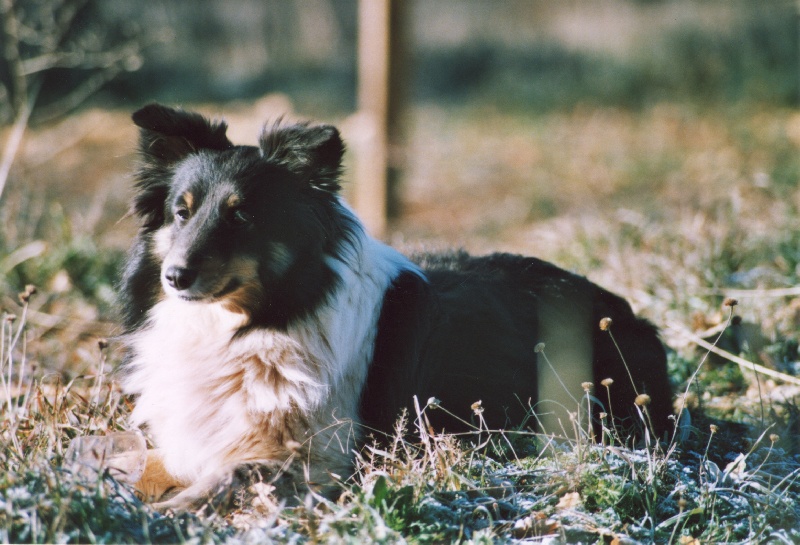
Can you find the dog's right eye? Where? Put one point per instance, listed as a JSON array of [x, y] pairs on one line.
[[182, 214]]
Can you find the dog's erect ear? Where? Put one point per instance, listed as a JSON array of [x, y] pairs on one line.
[[313, 152], [167, 135]]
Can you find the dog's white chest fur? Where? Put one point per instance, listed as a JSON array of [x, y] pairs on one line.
[[203, 393]]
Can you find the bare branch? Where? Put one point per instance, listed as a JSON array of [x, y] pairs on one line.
[[11, 52], [6, 110], [15, 139], [80, 59], [78, 95]]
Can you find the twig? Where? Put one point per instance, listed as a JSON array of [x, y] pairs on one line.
[[6, 385], [743, 363], [13, 57], [79, 59], [15, 139], [679, 329], [76, 96], [773, 292]]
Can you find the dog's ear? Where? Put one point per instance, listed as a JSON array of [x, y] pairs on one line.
[[313, 152], [167, 135]]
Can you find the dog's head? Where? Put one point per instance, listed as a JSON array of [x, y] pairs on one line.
[[251, 227]]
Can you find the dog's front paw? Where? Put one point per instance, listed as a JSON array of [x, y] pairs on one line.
[[237, 484], [216, 492], [177, 504], [156, 482], [151, 495]]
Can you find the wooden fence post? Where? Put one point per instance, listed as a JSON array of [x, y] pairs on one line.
[[381, 94]]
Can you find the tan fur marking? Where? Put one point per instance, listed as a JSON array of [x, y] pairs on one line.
[[226, 386], [244, 299], [233, 201], [156, 480], [249, 295]]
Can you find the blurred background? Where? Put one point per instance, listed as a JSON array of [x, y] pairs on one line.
[[649, 144], [513, 54]]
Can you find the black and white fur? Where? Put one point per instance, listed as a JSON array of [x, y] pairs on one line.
[[266, 329]]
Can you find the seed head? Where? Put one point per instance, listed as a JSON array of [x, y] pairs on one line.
[[477, 407], [774, 437], [538, 348], [25, 296], [642, 400], [605, 324], [607, 382], [102, 344], [730, 302], [587, 386], [603, 416], [714, 428], [433, 402]]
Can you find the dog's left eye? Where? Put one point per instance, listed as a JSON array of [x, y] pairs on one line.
[[240, 217]]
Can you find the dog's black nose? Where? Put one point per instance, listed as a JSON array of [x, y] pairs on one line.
[[180, 278]]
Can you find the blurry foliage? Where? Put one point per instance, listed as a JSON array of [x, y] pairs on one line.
[[539, 77], [39, 245], [245, 49], [75, 264], [723, 380], [755, 61]]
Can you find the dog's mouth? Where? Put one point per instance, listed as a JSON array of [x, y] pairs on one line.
[[232, 285]]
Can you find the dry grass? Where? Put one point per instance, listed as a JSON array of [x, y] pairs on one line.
[[672, 207]]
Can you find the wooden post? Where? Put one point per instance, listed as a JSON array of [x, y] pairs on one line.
[[380, 98]]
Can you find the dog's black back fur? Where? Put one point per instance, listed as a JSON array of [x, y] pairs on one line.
[[474, 328]]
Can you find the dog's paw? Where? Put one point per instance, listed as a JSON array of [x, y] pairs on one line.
[[177, 504], [237, 485], [217, 492], [151, 496], [156, 483]]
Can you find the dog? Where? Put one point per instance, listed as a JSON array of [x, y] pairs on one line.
[[267, 335]]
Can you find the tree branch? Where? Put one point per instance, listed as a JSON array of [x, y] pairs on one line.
[[15, 138], [80, 59], [75, 97], [11, 52]]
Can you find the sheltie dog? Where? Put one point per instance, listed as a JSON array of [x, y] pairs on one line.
[[267, 335]]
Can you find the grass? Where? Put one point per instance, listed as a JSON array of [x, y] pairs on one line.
[[433, 489], [687, 205]]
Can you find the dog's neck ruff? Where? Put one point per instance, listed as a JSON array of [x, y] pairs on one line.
[[210, 397]]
